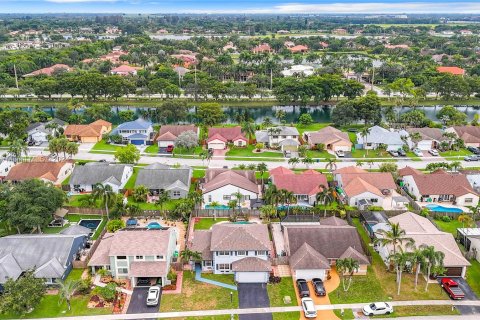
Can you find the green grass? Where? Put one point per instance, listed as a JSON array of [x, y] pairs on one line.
[[347, 314], [75, 274], [450, 227], [198, 173], [315, 154], [198, 296], [248, 152], [181, 151], [410, 311], [286, 315], [131, 182], [473, 276], [455, 153], [223, 278], [360, 153], [169, 205], [277, 291], [76, 200], [50, 307], [310, 127], [413, 156], [152, 149], [102, 145], [66, 182], [207, 223]]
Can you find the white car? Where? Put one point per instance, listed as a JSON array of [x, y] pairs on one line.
[[433, 152], [418, 152], [377, 308], [153, 296], [309, 308], [340, 153]]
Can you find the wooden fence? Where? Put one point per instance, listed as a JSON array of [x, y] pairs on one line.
[[413, 203], [83, 263], [225, 213]]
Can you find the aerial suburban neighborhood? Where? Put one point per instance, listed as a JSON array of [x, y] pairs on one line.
[[260, 162]]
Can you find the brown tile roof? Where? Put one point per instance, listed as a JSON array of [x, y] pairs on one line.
[[100, 256], [49, 70], [358, 186], [350, 169], [354, 254], [83, 130], [167, 136], [251, 264], [305, 183], [443, 183], [329, 135], [333, 221], [408, 171], [201, 243], [148, 269], [307, 257], [140, 242], [428, 133], [229, 133], [232, 237], [379, 180], [280, 170], [329, 241], [35, 170], [217, 136], [101, 122], [217, 178], [177, 129], [469, 134]]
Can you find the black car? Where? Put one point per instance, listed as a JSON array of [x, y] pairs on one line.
[[401, 153], [142, 282], [303, 290], [318, 287], [473, 150]]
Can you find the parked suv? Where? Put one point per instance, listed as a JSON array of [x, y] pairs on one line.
[[473, 150], [303, 290], [318, 287]]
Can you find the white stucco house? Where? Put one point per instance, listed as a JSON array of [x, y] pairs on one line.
[[84, 178], [241, 249], [278, 137], [378, 135], [5, 166], [222, 185], [136, 254]]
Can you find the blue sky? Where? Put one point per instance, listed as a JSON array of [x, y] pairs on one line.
[[242, 6]]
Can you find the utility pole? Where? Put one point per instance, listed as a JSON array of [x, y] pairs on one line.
[[16, 78]]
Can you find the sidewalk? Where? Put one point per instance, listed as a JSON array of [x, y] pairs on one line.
[[198, 277]]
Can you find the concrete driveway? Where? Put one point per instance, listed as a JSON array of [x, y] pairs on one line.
[[253, 295], [469, 295], [138, 302]]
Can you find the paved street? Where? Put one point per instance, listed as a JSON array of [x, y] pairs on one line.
[[469, 295]]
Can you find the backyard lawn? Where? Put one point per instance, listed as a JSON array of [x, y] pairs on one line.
[[207, 223], [450, 227], [131, 182], [169, 205], [277, 291], [248, 152], [198, 296], [102, 145], [73, 217], [310, 127]]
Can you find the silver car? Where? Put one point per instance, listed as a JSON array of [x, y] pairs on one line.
[[308, 307], [153, 296]]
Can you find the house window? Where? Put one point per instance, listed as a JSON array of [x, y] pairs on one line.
[[246, 197], [261, 253], [121, 258], [210, 198], [241, 253], [122, 270], [223, 267], [138, 257], [223, 253], [468, 200], [207, 263], [159, 257], [374, 200], [176, 193], [226, 197]]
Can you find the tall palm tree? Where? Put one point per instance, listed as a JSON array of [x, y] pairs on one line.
[[163, 198], [346, 268], [287, 198], [105, 194], [18, 148], [66, 290], [267, 212], [331, 165], [395, 237], [432, 259], [188, 255], [417, 259], [248, 128], [267, 122], [359, 163], [262, 168], [293, 162], [307, 161], [325, 197], [364, 132], [273, 197], [400, 260], [455, 165]]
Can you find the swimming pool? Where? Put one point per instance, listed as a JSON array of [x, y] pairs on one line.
[[154, 225], [220, 207], [438, 208], [92, 224]]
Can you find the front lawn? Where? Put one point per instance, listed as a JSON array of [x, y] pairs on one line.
[[413, 156], [361, 153], [456, 153], [473, 276], [248, 152], [102, 145], [450, 227], [410, 311], [277, 291], [315, 154], [207, 223], [152, 149], [197, 295], [182, 151]]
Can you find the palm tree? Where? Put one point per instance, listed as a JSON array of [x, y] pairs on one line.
[[364, 133], [415, 137], [205, 155], [370, 164], [196, 197], [348, 267], [273, 197], [307, 161], [267, 212], [400, 260], [248, 128], [17, 148], [331, 164], [395, 237], [418, 260], [433, 259], [262, 168], [163, 198], [455, 165], [267, 122], [287, 198], [188, 255], [359, 163], [105, 194], [325, 197], [293, 162], [66, 290]]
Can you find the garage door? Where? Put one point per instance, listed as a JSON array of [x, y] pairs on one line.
[[165, 143], [425, 145], [310, 274], [216, 146], [454, 272], [251, 277], [343, 148], [137, 142]]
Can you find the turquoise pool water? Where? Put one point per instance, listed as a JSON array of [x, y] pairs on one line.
[[154, 225], [220, 207], [438, 208]]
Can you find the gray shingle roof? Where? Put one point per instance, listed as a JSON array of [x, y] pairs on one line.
[[49, 254], [201, 243], [232, 237], [251, 264], [76, 230], [156, 176], [9, 268], [93, 173], [307, 257]]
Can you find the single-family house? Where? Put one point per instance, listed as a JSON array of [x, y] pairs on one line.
[[5, 166], [430, 138], [84, 178], [470, 238], [331, 138], [168, 134], [219, 138], [298, 49], [298, 70], [424, 233], [304, 186], [125, 70], [473, 177], [54, 172], [282, 136], [50, 255], [469, 134], [136, 254], [361, 188], [441, 186], [241, 249], [381, 136], [137, 132], [56, 68], [39, 132], [313, 250], [456, 71], [222, 185], [159, 178], [87, 133], [261, 48]]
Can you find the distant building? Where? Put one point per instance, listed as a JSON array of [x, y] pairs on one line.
[[453, 70]]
